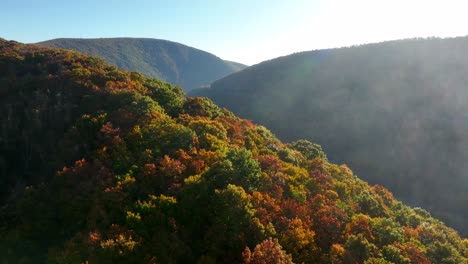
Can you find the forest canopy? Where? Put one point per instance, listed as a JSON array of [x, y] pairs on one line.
[[101, 165]]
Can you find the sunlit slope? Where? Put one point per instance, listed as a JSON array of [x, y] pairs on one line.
[[396, 112], [99, 165], [173, 62]]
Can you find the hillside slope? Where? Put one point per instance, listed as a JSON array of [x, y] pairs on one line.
[[170, 61], [396, 112], [105, 166]]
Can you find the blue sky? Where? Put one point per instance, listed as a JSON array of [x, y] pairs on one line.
[[247, 31]]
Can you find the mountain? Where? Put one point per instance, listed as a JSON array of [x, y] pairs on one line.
[[100, 165], [396, 112], [170, 61], [235, 65]]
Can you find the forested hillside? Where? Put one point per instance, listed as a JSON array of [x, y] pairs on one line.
[[170, 61], [396, 112], [100, 165]]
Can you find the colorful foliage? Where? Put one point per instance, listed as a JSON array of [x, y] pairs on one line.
[[126, 169]]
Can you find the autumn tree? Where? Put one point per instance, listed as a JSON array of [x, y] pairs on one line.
[[269, 251]]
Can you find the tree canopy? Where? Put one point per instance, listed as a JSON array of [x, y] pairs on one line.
[[101, 165]]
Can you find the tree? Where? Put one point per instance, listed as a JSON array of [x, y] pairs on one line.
[[299, 240], [359, 249], [360, 224], [238, 168], [394, 255], [386, 231], [443, 253], [267, 252], [234, 223], [308, 149]]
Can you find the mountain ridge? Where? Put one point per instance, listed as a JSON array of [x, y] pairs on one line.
[[174, 62]]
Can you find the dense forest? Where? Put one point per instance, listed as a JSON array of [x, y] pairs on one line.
[[100, 165], [395, 112], [166, 60]]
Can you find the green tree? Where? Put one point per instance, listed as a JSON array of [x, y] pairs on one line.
[[308, 149], [444, 253]]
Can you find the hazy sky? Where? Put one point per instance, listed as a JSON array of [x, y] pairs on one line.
[[247, 31]]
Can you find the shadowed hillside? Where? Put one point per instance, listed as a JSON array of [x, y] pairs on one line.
[[173, 62], [396, 112]]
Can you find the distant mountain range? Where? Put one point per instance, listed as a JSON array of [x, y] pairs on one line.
[[396, 112], [173, 62]]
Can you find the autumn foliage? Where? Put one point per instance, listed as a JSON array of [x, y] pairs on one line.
[[100, 165]]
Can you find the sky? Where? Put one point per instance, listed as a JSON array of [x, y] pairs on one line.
[[246, 31]]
